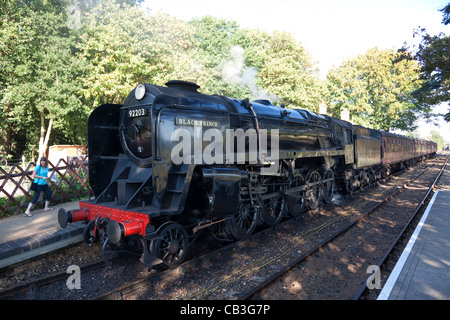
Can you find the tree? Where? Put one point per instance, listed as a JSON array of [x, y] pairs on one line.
[[287, 71], [221, 56], [437, 137], [434, 57], [38, 72], [446, 14], [89, 5], [122, 47], [174, 50], [115, 48], [251, 63], [376, 88]]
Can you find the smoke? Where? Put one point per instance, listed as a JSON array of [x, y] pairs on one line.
[[233, 67], [234, 71]]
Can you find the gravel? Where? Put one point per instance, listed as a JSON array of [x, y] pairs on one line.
[[337, 271]]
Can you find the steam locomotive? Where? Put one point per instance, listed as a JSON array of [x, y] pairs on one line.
[[171, 162]]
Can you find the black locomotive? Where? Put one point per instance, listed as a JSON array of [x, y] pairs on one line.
[[171, 162]]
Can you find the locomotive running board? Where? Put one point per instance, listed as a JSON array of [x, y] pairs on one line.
[[311, 154]]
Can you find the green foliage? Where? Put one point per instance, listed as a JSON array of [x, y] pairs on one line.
[[38, 72], [437, 137], [434, 57], [435, 67], [53, 69], [375, 88], [446, 14], [287, 71], [220, 56], [115, 46]]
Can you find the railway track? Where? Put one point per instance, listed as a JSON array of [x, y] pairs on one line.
[[249, 270], [282, 273], [216, 285], [414, 215], [35, 284]]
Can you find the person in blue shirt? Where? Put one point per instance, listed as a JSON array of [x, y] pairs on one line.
[[40, 175]]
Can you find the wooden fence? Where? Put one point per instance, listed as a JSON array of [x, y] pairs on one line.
[[69, 182]]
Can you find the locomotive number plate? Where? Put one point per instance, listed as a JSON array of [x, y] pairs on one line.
[[139, 112]]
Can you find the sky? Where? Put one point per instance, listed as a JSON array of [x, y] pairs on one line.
[[331, 31]]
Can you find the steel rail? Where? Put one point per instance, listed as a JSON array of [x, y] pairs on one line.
[[56, 276], [303, 257], [117, 293], [401, 233]]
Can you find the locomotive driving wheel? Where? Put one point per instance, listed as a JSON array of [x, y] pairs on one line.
[[351, 184], [328, 186], [243, 223], [172, 245], [296, 204], [313, 190], [273, 207]]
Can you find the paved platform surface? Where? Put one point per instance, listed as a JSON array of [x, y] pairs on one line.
[[423, 270], [22, 237]]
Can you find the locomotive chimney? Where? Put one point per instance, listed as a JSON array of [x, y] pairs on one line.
[[183, 85]]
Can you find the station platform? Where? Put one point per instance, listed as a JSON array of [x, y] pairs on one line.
[[22, 238], [423, 270]]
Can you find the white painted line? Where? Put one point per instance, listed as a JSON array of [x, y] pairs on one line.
[[386, 292]]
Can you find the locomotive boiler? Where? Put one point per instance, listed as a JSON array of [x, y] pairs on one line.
[[171, 162]]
